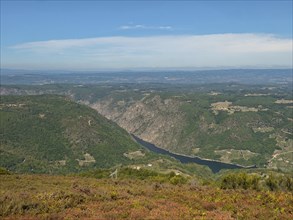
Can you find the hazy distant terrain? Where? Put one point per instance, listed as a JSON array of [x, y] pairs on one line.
[[243, 76]]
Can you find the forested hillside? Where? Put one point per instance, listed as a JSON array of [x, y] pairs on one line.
[[49, 133]]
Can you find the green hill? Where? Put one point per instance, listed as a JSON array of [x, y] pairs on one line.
[[51, 134]]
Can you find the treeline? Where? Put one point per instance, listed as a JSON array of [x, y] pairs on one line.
[[272, 182]]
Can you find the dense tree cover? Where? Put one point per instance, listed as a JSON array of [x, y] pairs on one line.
[[272, 182], [50, 133]]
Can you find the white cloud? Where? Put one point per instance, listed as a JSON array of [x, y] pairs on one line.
[[140, 26], [230, 50]]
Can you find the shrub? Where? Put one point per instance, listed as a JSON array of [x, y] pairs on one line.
[[272, 182], [139, 174], [240, 181], [175, 180], [3, 171]]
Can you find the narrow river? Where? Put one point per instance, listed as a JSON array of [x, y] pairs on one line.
[[215, 166]]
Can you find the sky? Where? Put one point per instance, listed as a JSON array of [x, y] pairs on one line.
[[95, 35]]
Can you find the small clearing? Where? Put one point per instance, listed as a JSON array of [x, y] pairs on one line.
[[262, 129], [134, 154], [18, 105], [228, 107], [284, 101], [60, 162], [121, 103], [230, 154], [87, 160], [221, 106], [282, 159], [256, 94], [42, 116], [214, 93], [195, 150]]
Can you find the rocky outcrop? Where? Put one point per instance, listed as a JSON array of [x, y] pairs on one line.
[[152, 118]]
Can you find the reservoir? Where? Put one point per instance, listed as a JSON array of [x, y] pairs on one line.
[[215, 166]]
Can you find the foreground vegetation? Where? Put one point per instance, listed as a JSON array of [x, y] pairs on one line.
[[141, 194]]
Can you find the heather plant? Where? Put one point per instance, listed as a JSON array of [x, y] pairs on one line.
[[75, 197]]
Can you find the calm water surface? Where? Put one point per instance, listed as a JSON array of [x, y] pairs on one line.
[[215, 166]]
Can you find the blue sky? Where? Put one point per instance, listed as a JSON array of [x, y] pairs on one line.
[[145, 34]]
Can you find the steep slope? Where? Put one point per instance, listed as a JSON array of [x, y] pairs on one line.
[[238, 127], [152, 119], [52, 134]]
